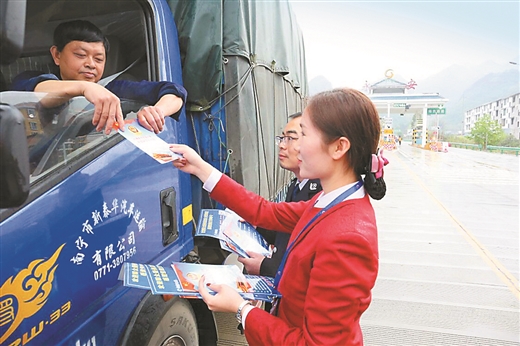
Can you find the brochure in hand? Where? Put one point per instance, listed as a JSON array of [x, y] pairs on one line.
[[182, 279], [148, 142], [235, 235]]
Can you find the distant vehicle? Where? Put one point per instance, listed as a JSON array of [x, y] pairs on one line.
[[76, 203]]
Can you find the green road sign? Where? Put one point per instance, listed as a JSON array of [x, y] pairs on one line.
[[399, 104], [436, 111]]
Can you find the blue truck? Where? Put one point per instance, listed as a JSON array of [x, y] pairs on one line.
[[75, 203]]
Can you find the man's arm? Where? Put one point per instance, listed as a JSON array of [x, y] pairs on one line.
[[169, 104], [107, 105]]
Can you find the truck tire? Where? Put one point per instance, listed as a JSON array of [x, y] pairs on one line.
[[164, 323]]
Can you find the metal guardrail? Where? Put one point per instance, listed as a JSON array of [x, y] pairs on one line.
[[503, 149], [490, 148], [466, 146]]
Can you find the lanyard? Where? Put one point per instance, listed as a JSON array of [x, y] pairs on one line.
[[337, 200]]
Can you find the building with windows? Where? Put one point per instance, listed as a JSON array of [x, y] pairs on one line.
[[505, 111]]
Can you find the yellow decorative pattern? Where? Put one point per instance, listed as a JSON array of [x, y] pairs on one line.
[[389, 73], [31, 288]]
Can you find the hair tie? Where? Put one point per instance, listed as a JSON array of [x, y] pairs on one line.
[[377, 164]]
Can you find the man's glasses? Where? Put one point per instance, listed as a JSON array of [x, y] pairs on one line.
[[285, 139]]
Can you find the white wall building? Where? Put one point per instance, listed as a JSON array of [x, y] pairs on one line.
[[505, 111]]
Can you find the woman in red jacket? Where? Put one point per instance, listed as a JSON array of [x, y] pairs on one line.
[[331, 263]]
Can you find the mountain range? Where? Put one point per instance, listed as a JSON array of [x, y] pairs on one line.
[[465, 87], [469, 87], [319, 84]]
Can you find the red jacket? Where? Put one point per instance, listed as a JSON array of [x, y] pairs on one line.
[[328, 277]]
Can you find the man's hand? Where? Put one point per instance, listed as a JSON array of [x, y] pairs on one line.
[[252, 264], [151, 118], [107, 106]]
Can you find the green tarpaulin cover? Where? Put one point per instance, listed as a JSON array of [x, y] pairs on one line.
[[262, 32]]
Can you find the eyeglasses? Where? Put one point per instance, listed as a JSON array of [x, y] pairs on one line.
[[285, 139]]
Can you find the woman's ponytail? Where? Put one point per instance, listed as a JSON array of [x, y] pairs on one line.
[[375, 184]]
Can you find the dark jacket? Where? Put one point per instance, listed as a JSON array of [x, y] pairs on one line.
[[145, 91], [280, 240]]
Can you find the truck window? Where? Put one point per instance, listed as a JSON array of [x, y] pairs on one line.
[[59, 136]]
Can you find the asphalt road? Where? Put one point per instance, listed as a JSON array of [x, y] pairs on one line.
[[479, 190]]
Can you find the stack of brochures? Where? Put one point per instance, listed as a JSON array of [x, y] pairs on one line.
[[182, 279], [235, 235]]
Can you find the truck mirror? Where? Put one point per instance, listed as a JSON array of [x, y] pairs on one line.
[[14, 158], [12, 29]]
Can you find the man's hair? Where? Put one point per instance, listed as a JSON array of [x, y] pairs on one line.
[[78, 30], [295, 115]]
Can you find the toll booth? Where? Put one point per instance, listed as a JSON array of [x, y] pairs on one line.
[[393, 96]]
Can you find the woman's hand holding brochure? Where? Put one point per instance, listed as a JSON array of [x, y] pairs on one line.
[[229, 296]]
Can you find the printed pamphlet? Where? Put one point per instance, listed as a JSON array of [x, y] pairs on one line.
[[148, 142], [182, 279], [235, 235]]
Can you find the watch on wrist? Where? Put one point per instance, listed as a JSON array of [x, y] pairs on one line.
[[240, 309]]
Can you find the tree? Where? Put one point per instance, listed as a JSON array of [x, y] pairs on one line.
[[487, 132]]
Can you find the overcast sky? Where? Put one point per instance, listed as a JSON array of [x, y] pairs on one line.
[[349, 42]]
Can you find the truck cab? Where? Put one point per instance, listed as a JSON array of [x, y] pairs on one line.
[[95, 200]]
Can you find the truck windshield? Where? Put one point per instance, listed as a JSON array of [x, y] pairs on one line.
[[57, 136]]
